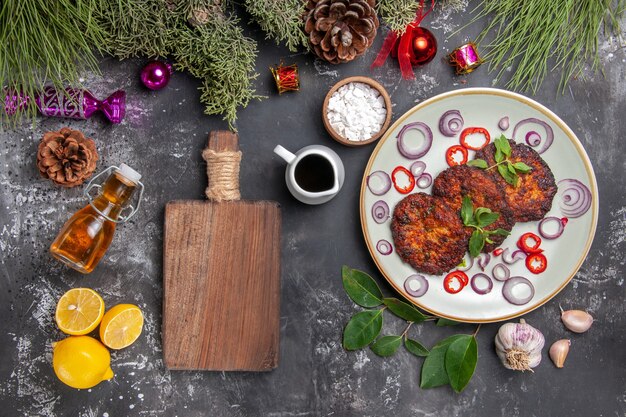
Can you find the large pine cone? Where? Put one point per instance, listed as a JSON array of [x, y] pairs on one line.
[[66, 157], [340, 30]]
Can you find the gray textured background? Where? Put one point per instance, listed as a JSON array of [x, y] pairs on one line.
[[162, 137]]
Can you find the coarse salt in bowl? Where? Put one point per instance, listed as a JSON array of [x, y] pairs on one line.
[[356, 111]]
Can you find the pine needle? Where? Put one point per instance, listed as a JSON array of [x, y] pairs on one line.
[[535, 37], [45, 42]]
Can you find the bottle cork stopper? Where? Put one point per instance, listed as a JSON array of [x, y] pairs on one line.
[[129, 173]]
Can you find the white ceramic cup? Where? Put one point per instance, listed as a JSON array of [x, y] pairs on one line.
[[296, 189]]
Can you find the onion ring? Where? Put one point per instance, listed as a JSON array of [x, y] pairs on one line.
[[384, 247], [476, 288], [417, 168], [379, 182], [421, 290], [380, 211], [533, 139], [551, 219], [503, 123], [507, 290], [501, 272], [424, 181], [483, 260], [419, 151], [469, 263], [451, 123], [575, 197], [515, 256]]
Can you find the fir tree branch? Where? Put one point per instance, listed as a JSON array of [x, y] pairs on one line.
[[213, 49], [137, 27], [397, 14], [281, 20], [220, 55]]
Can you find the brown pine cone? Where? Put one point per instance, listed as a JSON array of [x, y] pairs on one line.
[[340, 30], [66, 157]]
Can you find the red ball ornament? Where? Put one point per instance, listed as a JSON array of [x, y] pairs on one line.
[[424, 46]]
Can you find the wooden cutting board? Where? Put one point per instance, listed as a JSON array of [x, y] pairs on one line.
[[221, 280]]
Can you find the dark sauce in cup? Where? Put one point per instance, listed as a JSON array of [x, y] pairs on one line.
[[314, 173]]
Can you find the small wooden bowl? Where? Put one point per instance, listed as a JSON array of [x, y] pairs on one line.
[[371, 83]]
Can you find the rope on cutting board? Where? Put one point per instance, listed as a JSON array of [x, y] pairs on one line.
[[223, 172]]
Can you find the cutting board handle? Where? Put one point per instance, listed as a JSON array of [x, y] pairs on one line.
[[223, 158]]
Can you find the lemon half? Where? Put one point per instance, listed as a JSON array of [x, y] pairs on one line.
[[79, 311], [121, 326]]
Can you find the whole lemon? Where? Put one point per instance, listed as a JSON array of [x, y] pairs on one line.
[[81, 361]]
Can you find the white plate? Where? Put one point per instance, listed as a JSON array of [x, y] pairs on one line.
[[484, 107]]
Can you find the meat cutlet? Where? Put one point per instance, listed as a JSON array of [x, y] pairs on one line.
[[532, 198], [428, 235], [454, 183]]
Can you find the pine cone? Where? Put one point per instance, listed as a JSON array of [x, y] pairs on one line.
[[66, 157], [340, 30]]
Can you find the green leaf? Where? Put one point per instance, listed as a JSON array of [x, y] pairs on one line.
[[361, 288], [485, 219], [415, 347], [498, 156], [362, 329], [506, 174], [446, 322], [478, 163], [403, 310], [460, 361], [476, 243], [467, 211], [503, 143], [511, 168], [522, 167], [434, 370], [500, 232], [386, 345], [480, 211]]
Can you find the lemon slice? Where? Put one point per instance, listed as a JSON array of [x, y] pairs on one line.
[[79, 311], [121, 326]]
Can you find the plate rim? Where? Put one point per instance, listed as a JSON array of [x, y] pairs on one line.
[[524, 100]]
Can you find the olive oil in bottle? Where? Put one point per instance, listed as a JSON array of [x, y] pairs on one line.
[[86, 236]]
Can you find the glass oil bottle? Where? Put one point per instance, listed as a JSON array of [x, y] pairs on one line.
[[86, 236]]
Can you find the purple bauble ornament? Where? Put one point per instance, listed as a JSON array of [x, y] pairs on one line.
[[156, 74]]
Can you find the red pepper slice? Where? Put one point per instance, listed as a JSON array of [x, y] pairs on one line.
[[497, 251], [407, 189], [454, 151], [473, 130], [529, 243], [455, 281], [536, 263]]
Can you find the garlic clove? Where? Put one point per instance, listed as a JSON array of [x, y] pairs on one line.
[[558, 352], [577, 321]]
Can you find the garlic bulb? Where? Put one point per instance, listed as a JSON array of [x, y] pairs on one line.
[[559, 351], [519, 345], [577, 321]]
